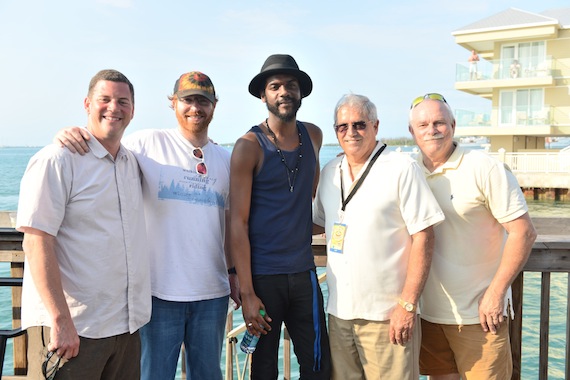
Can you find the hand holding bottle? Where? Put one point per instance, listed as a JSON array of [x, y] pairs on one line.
[[249, 341]]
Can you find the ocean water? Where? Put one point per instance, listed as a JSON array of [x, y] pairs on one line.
[[13, 161]]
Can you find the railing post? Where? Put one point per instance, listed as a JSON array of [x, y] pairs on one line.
[[11, 251], [502, 154], [544, 325], [286, 355], [515, 327], [567, 351], [19, 347], [229, 348]]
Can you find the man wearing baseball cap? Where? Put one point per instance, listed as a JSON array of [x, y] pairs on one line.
[[185, 179], [274, 173]]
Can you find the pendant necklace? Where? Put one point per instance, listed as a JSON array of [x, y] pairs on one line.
[[290, 172]]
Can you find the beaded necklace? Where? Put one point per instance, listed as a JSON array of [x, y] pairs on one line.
[[290, 172]]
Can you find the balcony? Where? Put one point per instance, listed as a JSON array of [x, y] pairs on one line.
[[505, 73], [500, 121]]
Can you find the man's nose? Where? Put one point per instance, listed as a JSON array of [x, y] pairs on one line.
[[283, 90], [433, 128], [113, 105]]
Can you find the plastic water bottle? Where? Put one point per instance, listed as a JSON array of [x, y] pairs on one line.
[[250, 340]]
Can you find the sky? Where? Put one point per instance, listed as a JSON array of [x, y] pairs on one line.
[[391, 52]]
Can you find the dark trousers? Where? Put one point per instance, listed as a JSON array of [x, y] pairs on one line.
[[116, 357], [296, 300]]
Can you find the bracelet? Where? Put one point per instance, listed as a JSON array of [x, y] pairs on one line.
[[232, 270]]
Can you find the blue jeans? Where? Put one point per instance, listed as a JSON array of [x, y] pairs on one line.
[[200, 325]]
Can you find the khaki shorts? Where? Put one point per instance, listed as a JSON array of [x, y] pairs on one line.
[[361, 349], [467, 350]]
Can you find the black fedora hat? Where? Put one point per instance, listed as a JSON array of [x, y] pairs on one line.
[[280, 64]]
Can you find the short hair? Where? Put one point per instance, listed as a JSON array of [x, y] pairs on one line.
[[361, 102], [113, 76]]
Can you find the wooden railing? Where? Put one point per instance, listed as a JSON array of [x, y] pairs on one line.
[[549, 254], [11, 252]]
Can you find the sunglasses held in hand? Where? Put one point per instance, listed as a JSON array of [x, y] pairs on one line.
[[49, 366]]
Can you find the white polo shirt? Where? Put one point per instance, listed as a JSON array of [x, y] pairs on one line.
[[393, 203]]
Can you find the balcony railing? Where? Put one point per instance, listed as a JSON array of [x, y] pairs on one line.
[[520, 116], [535, 162], [499, 69]]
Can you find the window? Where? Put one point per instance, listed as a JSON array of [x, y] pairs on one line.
[[521, 107], [522, 59]]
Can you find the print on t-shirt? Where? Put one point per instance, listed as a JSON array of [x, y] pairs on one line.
[[188, 186]]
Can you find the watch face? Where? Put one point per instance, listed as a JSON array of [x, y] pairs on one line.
[[409, 307]]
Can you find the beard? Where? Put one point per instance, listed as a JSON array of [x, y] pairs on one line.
[[286, 116], [194, 127]]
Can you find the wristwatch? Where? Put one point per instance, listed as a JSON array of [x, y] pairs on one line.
[[410, 307]]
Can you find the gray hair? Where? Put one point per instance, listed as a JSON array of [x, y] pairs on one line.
[[361, 102]]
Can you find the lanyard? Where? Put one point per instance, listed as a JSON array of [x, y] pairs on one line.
[[360, 180]]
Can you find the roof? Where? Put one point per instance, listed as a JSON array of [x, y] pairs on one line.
[[516, 17], [561, 14]]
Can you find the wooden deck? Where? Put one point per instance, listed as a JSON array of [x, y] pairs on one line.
[[550, 253]]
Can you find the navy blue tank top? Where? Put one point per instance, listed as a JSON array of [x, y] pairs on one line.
[[280, 221]]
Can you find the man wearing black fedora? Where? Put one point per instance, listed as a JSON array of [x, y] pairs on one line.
[[273, 176]]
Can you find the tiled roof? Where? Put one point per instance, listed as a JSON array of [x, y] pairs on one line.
[[512, 17]]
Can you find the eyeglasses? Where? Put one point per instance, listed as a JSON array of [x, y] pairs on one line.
[[198, 154], [357, 125], [199, 99], [49, 368], [433, 96]]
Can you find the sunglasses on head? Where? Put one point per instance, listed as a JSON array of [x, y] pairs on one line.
[[357, 125], [432, 96], [198, 154]]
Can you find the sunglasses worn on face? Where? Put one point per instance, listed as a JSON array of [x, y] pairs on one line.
[[433, 96], [49, 368], [358, 126], [198, 154]]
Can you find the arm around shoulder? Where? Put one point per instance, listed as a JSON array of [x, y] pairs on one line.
[[73, 138]]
